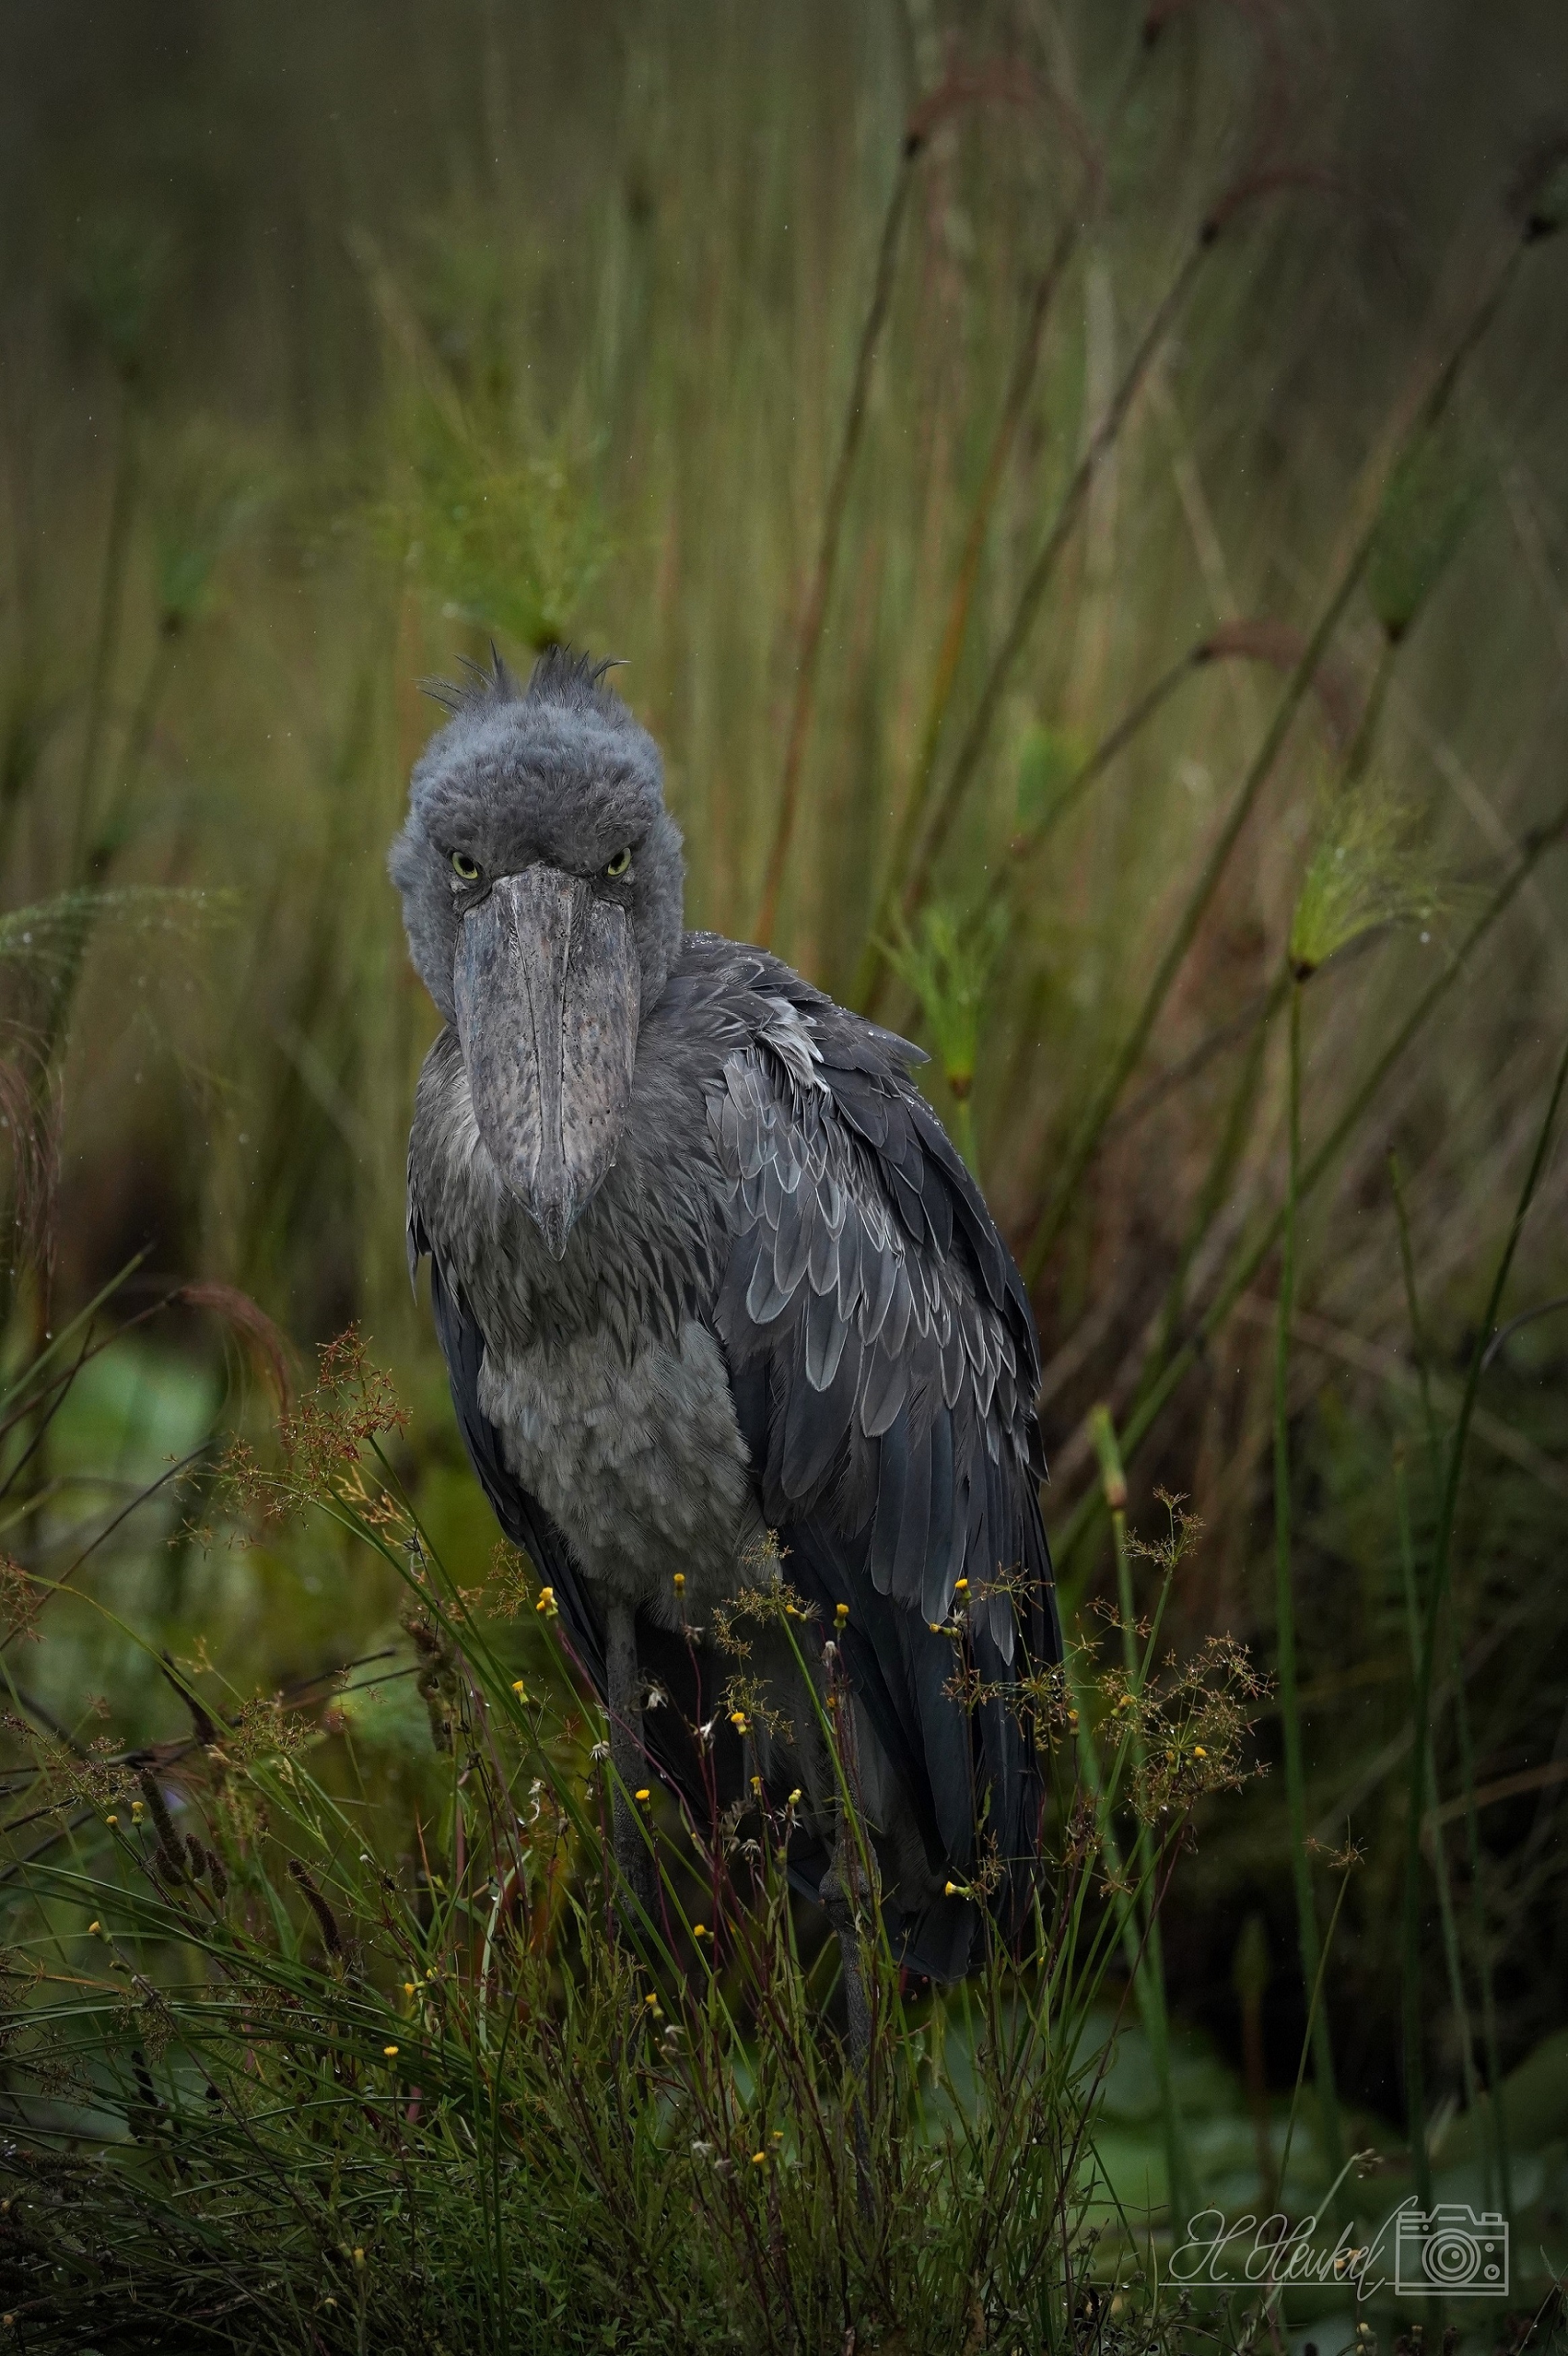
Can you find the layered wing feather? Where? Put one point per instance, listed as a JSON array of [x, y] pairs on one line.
[[885, 1363]]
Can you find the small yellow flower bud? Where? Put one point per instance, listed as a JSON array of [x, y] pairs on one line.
[[953, 1890], [643, 1794], [759, 2159], [389, 2050], [960, 1587], [841, 1613], [409, 1986], [680, 1582], [93, 1929], [1198, 1752], [756, 1782], [546, 1603], [520, 1688], [699, 1930], [651, 1999], [795, 1797], [358, 2257], [111, 1820]]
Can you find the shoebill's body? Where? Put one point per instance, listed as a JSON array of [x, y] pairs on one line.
[[704, 1267]]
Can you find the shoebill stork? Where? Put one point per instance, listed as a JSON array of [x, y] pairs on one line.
[[705, 1267]]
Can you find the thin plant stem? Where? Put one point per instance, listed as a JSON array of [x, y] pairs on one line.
[[1111, 746], [1135, 1921], [816, 616], [1217, 1180], [1417, 1328], [1149, 1965], [110, 613], [1480, 1940], [1362, 743], [1439, 1856], [1436, 1601], [928, 832], [1314, 2005], [1483, 1963], [109, 829], [950, 650], [1015, 401], [1307, 1933]]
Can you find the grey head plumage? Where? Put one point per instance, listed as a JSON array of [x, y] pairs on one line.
[[542, 887]]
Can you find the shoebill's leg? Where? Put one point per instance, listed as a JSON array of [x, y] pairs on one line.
[[633, 1857]]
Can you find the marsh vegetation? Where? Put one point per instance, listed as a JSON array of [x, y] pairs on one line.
[[1081, 498]]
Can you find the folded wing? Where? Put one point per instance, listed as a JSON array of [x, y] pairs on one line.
[[885, 1363]]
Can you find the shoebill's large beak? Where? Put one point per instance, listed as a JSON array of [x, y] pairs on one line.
[[547, 988]]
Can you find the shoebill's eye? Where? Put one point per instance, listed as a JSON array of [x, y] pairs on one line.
[[620, 865], [464, 868]]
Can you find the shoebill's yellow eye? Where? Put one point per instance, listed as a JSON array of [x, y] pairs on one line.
[[621, 865], [466, 868]]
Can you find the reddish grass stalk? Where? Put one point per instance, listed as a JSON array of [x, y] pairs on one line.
[[1020, 381], [816, 613], [931, 827], [954, 93]]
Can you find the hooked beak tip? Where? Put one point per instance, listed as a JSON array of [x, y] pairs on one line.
[[555, 1225]]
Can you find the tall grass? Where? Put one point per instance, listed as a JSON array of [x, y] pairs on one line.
[[271, 2083]]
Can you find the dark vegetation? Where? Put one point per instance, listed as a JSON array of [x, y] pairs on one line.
[[1081, 495]]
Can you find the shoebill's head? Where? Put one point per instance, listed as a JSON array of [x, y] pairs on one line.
[[541, 880]]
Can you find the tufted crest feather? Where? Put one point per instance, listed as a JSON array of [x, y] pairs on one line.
[[562, 675]]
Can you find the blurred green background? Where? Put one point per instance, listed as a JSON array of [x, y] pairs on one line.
[[337, 341]]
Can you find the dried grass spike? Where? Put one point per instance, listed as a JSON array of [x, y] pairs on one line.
[[318, 1906]]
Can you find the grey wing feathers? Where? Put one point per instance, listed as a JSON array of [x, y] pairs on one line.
[[865, 1274], [885, 1363]]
